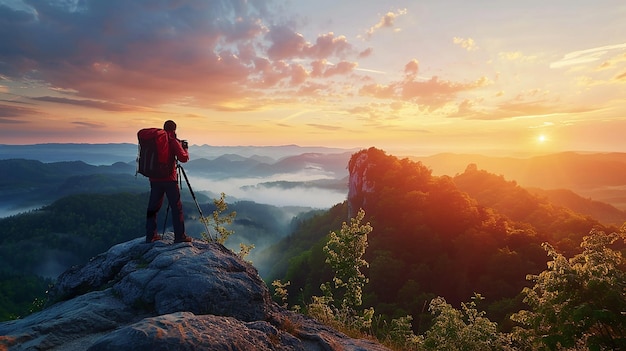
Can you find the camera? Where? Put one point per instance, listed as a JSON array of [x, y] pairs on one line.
[[185, 144]]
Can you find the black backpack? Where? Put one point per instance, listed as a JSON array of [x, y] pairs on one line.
[[153, 158]]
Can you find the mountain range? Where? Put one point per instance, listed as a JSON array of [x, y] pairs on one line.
[[597, 176], [446, 235], [594, 184]]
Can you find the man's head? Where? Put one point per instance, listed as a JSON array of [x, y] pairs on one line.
[[169, 125]]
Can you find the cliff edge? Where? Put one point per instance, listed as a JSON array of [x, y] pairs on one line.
[[165, 296]]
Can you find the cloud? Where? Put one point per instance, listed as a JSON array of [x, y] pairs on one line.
[[366, 53], [115, 54], [7, 113], [88, 125], [324, 126], [233, 55], [612, 62], [516, 56], [131, 51], [386, 21], [431, 94], [516, 108], [468, 44], [107, 106], [287, 44], [412, 68], [343, 67], [322, 68], [586, 56]]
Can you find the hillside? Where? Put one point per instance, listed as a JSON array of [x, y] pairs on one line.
[[30, 183], [423, 222], [600, 176], [37, 246], [560, 225], [603, 212], [431, 237]]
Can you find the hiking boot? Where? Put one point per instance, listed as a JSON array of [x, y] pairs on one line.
[[183, 239], [155, 238]]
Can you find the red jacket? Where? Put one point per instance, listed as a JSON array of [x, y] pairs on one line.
[[176, 153]]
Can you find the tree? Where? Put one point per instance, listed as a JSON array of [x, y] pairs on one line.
[[344, 254], [219, 222], [465, 329], [578, 299]]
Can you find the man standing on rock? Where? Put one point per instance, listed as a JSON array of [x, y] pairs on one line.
[[168, 186]]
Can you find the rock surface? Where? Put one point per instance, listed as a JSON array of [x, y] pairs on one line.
[[165, 296]]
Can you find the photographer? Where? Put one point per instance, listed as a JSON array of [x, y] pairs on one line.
[[160, 187]]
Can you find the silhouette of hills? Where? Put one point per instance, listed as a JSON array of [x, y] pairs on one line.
[[600, 176]]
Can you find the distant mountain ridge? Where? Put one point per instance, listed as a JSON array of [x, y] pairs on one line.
[[35, 180], [24, 183], [598, 179], [106, 154], [600, 176]]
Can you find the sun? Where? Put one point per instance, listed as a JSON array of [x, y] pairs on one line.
[[542, 138]]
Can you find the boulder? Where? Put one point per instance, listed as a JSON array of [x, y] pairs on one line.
[[166, 296]]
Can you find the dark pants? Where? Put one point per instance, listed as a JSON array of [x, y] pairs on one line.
[[157, 191]]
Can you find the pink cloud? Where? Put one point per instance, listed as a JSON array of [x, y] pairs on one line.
[[430, 94], [411, 68], [287, 44], [180, 50], [343, 67], [298, 74]]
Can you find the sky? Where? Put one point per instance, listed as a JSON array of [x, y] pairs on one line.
[[408, 77]]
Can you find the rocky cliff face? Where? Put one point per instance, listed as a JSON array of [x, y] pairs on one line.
[[359, 184], [165, 296]]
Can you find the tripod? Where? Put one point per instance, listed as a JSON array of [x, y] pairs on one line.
[[181, 174]]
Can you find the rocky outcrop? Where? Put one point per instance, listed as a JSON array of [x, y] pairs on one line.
[[165, 296], [359, 184]]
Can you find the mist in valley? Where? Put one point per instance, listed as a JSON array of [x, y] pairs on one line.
[[300, 192]]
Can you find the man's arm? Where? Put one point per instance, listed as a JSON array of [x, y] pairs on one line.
[[181, 154]]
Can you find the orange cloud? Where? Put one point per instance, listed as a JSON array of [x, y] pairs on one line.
[[613, 62]]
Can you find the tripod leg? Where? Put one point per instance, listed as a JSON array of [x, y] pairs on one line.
[[196, 201]]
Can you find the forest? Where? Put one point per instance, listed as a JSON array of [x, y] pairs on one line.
[[37, 246], [450, 237], [433, 238]]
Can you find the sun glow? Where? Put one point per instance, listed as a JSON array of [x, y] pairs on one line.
[[542, 138]]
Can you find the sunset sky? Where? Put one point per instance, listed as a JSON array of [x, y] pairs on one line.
[[409, 77]]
